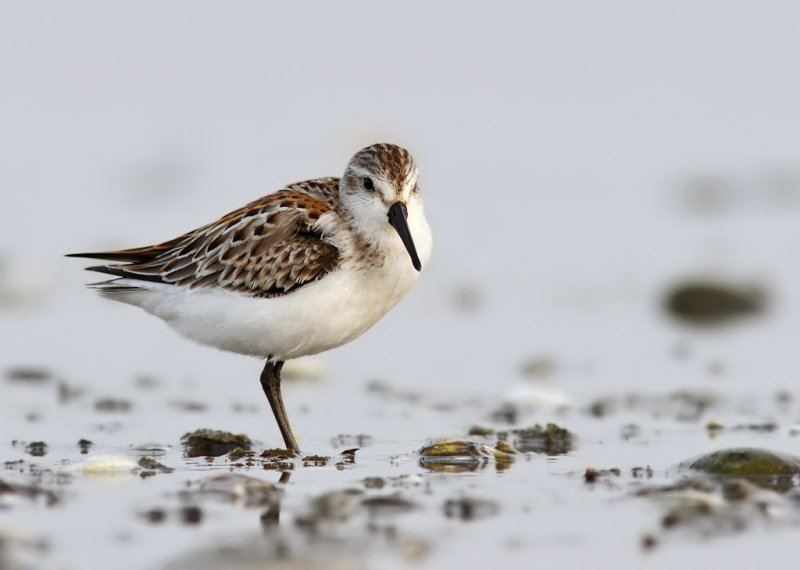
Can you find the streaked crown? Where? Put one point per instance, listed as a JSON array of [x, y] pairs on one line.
[[387, 162]]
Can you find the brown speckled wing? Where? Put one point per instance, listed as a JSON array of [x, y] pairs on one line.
[[268, 248]]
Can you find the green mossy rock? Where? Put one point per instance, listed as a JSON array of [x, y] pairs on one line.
[[213, 443], [779, 471], [550, 440]]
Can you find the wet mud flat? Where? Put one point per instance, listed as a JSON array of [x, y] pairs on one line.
[[632, 478]]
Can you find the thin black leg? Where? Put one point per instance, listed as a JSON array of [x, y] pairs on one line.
[[271, 382]]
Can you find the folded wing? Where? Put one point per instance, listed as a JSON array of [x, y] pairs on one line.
[[268, 248]]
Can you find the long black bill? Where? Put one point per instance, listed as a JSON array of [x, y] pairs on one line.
[[398, 217]]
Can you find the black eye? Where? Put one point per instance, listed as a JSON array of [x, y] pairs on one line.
[[368, 184]]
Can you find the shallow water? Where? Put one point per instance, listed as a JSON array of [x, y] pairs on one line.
[[574, 169], [380, 507]]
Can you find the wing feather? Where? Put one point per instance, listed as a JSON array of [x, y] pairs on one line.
[[268, 248]]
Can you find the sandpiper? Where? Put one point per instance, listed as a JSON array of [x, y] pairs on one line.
[[303, 270]]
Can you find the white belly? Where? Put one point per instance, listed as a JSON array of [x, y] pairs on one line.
[[314, 318]]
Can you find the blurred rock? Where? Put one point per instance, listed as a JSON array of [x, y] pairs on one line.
[[106, 466], [591, 475], [155, 515], [242, 490], [462, 454], [765, 468], [690, 405], [67, 392], [36, 449], [150, 449], [458, 455], [506, 413], [602, 407], [191, 514], [386, 390], [538, 367], [713, 302], [373, 482], [336, 506], [148, 464], [550, 440], [346, 441], [29, 491], [276, 552], [704, 507], [213, 443], [278, 459], [387, 505], [28, 374], [117, 405], [470, 508], [481, 431], [188, 405], [315, 460]]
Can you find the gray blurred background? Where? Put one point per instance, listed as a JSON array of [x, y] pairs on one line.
[[576, 159], [583, 164]]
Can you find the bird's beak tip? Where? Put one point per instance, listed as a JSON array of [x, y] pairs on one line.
[[398, 215]]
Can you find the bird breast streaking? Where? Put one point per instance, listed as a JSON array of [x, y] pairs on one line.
[[305, 269]]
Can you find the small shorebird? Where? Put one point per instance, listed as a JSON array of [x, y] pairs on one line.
[[297, 272]]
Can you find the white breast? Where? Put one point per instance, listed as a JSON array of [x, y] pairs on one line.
[[314, 318]]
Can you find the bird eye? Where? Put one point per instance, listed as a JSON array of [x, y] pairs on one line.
[[368, 184]]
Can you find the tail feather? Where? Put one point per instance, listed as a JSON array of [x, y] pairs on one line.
[[111, 288], [118, 271], [135, 255]]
